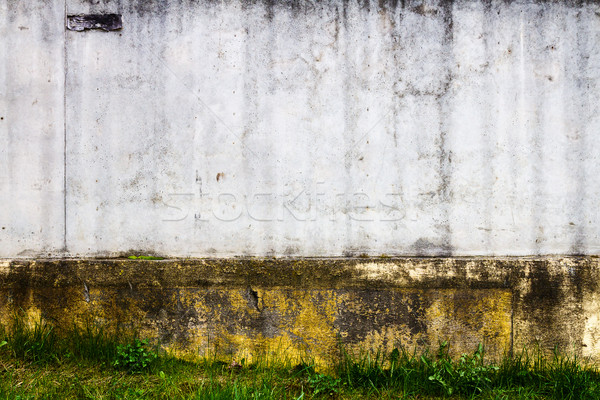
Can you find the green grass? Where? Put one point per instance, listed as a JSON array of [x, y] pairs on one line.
[[528, 375], [40, 362]]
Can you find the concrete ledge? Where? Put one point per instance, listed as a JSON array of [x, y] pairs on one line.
[[244, 306]]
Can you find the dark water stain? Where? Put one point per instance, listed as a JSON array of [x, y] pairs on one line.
[[388, 5], [370, 311], [489, 135], [537, 156], [172, 315], [544, 289], [365, 5], [426, 247], [541, 302], [146, 8], [579, 149], [445, 154]]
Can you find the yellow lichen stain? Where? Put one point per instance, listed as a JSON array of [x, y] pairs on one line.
[[4, 267], [471, 316], [301, 324], [249, 322], [314, 321], [591, 334], [295, 324], [376, 270], [33, 315], [385, 340]]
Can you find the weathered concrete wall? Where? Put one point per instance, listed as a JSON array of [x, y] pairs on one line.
[[301, 128], [245, 307], [32, 126]]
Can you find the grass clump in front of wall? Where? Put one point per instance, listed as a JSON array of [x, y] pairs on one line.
[[528, 375], [38, 361], [39, 342]]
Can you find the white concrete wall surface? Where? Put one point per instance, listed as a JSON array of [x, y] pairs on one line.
[[300, 128], [32, 128]]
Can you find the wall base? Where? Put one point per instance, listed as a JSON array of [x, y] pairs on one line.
[[305, 307]]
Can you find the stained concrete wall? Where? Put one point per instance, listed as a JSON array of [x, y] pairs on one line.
[[300, 128], [244, 307]]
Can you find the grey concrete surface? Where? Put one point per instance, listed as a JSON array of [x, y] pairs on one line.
[[31, 128], [301, 129]]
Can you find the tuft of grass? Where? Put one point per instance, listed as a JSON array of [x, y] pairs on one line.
[[91, 342], [37, 343], [556, 377], [528, 375]]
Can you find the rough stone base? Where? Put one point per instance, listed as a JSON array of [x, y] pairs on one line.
[[301, 307]]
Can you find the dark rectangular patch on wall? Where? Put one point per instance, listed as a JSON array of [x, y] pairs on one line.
[[106, 22]]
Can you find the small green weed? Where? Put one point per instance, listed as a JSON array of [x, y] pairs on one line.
[[324, 384], [468, 376], [135, 356], [145, 258]]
